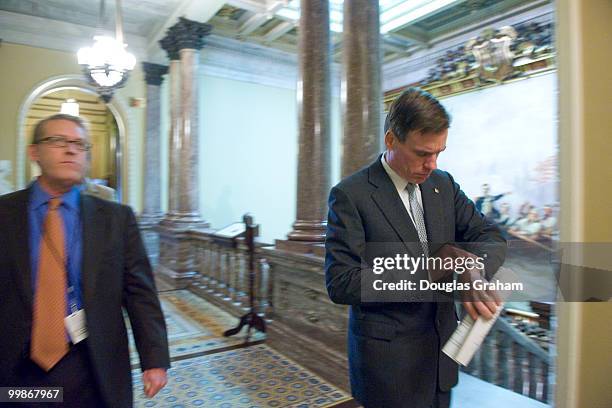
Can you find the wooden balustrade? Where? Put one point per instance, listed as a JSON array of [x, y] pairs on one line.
[[222, 275]]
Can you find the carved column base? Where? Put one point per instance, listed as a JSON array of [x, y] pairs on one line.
[[178, 263], [149, 220], [308, 231], [301, 247], [183, 220]]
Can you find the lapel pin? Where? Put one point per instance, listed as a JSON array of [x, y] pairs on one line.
[[436, 190]]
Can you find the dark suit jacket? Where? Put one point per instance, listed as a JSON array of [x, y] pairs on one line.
[[116, 274], [394, 348]]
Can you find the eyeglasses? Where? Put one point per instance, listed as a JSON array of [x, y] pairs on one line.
[[59, 141]]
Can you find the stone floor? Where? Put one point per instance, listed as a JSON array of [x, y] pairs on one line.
[[210, 370], [254, 376], [195, 326]]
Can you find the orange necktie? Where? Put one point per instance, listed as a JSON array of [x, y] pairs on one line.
[[49, 343]]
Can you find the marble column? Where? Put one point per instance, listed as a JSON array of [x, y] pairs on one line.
[[313, 98], [177, 259], [361, 85], [186, 38], [170, 45], [151, 213], [190, 39]]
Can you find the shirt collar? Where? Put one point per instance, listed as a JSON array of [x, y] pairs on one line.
[[398, 181], [40, 197]]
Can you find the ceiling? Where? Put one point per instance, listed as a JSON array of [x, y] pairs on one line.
[[139, 17], [406, 25]]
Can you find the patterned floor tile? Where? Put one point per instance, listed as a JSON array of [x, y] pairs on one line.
[[195, 326], [256, 376]]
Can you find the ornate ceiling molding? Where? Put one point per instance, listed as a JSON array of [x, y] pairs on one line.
[[415, 67]]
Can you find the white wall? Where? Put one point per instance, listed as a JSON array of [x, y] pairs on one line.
[[248, 153]]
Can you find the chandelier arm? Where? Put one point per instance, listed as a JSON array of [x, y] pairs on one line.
[[101, 16], [106, 65], [118, 23]]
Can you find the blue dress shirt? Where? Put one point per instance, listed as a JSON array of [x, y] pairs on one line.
[[73, 233]]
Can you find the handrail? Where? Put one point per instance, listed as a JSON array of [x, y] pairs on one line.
[[519, 337]]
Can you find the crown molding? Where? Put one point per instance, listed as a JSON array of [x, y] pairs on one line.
[[414, 68]]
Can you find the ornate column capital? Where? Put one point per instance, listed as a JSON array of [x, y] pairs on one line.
[[189, 34], [170, 45], [154, 73]]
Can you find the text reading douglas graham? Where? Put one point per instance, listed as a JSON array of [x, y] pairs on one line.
[[403, 262]]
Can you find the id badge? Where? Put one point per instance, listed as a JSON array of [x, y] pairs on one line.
[[76, 326]]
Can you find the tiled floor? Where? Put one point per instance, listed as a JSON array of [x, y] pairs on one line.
[[205, 373], [256, 376], [195, 326], [210, 370]]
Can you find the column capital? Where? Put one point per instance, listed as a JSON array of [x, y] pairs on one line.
[[189, 33], [154, 73], [170, 45]]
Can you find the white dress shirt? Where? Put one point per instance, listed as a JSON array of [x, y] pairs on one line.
[[400, 185]]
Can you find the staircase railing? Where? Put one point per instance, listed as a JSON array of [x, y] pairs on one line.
[[513, 360]]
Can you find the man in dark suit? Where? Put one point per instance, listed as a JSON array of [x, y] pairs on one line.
[[70, 264], [403, 203]]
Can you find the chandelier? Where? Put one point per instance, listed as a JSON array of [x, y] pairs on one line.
[[107, 64]]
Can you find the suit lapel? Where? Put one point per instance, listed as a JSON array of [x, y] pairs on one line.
[[94, 229], [21, 248], [389, 202], [391, 205]]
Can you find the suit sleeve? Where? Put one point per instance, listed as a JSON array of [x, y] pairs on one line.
[[344, 246], [141, 301], [476, 233]]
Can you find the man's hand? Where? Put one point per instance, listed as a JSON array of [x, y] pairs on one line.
[[154, 379], [478, 302]]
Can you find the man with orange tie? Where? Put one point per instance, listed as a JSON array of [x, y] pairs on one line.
[[70, 264]]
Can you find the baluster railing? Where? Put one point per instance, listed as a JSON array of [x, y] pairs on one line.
[[223, 275], [513, 360]]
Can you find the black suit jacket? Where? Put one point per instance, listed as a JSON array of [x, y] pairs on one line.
[[394, 348], [116, 275]]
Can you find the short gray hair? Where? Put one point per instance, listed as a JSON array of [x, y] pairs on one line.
[[77, 120]]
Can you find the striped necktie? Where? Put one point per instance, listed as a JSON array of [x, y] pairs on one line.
[[417, 215], [49, 342]]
